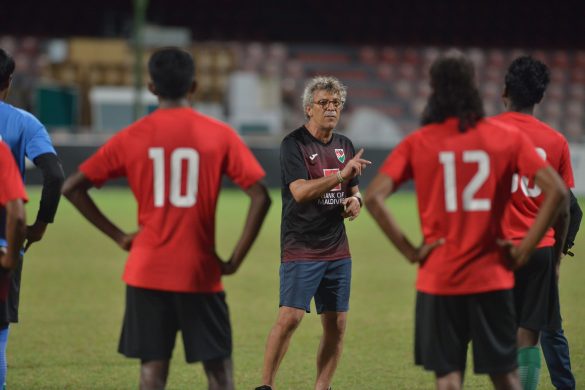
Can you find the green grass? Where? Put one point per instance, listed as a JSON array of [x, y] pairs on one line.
[[73, 297]]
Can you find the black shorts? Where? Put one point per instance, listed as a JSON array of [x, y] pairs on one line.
[[536, 292], [9, 307], [445, 325], [152, 319]]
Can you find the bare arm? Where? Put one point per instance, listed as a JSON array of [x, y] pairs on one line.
[[555, 200], [15, 234], [307, 190], [76, 189], [377, 192], [259, 205]]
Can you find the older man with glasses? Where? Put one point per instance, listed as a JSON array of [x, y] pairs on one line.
[[319, 176]]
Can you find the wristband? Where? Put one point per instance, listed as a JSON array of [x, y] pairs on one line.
[[359, 200], [340, 178]]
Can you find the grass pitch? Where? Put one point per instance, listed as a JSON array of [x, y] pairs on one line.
[[73, 297]]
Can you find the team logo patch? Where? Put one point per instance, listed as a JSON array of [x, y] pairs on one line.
[[340, 155]]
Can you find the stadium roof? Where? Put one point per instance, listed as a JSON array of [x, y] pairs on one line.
[[495, 23]]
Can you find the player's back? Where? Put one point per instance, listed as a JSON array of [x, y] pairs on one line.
[[174, 160], [463, 182], [174, 168], [526, 196]]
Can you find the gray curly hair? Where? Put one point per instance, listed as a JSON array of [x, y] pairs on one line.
[[323, 83]]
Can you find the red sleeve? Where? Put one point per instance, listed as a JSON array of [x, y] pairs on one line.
[[241, 167], [11, 187], [565, 167], [528, 161], [398, 165], [107, 163]]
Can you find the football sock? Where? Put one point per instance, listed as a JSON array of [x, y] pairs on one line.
[[3, 341], [529, 367]]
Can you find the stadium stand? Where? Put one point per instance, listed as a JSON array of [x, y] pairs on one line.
[[387, 85]]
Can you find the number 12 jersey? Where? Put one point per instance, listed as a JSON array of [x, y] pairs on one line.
[[463, 182]]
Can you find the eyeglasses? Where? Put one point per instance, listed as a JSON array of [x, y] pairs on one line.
[[324, 103]]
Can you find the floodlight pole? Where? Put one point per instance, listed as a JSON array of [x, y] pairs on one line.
[[140, 7]]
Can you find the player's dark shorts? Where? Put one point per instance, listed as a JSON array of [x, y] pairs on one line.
[[9, 307], [536, 292], [445, 324], [152, 319], [328, 281]]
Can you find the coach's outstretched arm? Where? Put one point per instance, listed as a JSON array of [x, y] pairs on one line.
[[15, 234], [307, 190], [259, 205], [376, 193], [76, 189], [555, 200]]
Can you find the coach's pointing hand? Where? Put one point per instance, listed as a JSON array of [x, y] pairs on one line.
[[354, 166]]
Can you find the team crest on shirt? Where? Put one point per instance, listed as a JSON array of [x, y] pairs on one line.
[[340, 155]]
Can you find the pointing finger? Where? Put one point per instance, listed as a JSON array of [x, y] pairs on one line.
[[363, 162]]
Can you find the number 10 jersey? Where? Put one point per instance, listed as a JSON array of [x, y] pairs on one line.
[[174, 160]]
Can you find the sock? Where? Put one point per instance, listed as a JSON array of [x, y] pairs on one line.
[[529, 367], [3, 341]]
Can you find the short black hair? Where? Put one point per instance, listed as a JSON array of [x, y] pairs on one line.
[[6, 69], [526, 81], [454, 92], [172, 71]]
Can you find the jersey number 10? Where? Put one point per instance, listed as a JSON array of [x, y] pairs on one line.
[[470, 203], [176, 198]]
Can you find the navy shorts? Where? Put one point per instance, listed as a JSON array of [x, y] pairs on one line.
[[328, 281]]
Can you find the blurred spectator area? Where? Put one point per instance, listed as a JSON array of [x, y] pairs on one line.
[[258, 87]]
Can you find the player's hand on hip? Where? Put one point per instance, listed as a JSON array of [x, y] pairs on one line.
[[513, 253], [125, 242], [34, 233], [227, 267], [355, 166], [351, 208], [422, 252]]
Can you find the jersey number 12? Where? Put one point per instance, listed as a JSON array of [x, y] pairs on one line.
[[176, 197], [470, 203]]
